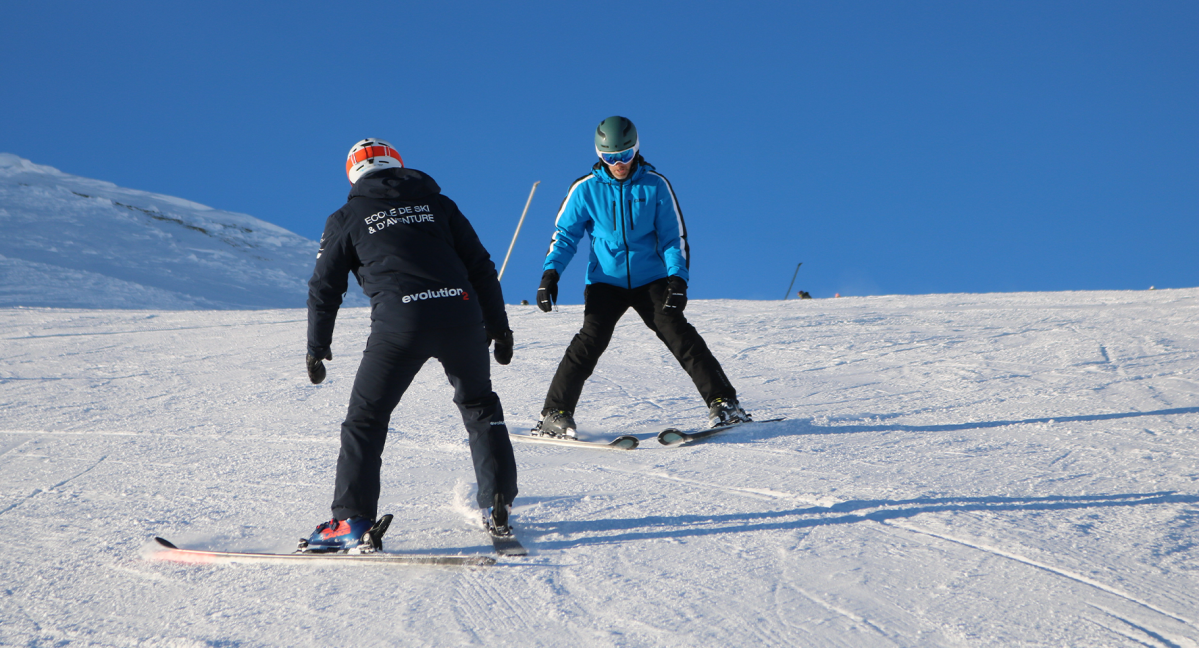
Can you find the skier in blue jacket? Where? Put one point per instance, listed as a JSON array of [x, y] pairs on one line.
[[638, 259]]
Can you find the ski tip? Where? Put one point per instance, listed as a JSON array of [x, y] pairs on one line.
[[625, 442], [163, 542], [671, 436]]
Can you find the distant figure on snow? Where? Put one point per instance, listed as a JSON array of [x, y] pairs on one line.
[[434, 294], [639, 259]]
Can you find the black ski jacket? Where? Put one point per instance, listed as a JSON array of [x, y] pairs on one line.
[[415, 255]]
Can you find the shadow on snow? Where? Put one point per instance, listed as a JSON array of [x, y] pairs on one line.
[[789, 428], [690, 526]]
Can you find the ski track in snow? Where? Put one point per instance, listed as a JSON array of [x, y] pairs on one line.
[[953, 470], [52, 488], [1060, 572]]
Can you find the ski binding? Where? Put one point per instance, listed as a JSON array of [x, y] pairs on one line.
[[504, 540]]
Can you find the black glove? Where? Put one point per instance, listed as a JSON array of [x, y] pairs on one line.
[[316, 368], [503, 346], [547, 294], [676, 295]]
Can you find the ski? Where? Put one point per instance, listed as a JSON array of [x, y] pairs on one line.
[[505, 542], [676, 437], [508, 545], [619, 443], [166, 551]]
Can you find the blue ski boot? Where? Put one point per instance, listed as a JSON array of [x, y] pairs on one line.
[[345, 536]]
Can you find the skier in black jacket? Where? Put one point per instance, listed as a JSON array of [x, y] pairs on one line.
[[434, 294]]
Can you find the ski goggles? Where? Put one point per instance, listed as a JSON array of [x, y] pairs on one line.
[[620, 157]]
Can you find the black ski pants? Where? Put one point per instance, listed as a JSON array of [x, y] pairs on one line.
[[389, 363], [605, 304]]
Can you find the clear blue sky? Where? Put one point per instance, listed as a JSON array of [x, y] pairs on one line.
[[892, 147]]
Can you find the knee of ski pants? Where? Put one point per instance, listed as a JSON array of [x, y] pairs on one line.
[[487, 408], [672, 324], [365, 423], [591, 340], [484, 419]]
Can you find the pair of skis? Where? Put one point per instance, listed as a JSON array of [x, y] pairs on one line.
[[506, 544], [668, 437]]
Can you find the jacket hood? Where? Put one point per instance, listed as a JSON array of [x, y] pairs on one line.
[[395, 184], [640, 168]]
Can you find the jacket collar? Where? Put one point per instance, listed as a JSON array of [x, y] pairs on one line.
[[395, 184], [640, 168]]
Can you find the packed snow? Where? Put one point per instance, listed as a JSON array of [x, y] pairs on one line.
[[76, 242], [953, 470]]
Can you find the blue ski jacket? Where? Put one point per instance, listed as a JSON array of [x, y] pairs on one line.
[[635, 228]]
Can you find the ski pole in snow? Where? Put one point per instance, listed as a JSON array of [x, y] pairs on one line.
[[517, 233], [792, 281]]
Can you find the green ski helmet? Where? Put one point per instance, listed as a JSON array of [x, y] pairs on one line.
[[616, 134]]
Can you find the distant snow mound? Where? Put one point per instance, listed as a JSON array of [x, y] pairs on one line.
[[73, 242]]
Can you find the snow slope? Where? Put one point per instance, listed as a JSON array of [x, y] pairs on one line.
[[954, 470], [74, 242]]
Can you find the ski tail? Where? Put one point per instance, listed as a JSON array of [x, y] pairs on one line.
[[503, 538], [374, 537]]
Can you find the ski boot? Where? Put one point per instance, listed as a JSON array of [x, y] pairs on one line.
[[558, 424], [726, 411], [496, 518], [357, 535]]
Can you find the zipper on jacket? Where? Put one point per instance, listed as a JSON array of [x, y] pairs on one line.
[[628, 255]]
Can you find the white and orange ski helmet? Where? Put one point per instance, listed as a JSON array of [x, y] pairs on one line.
[[371, 155]]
